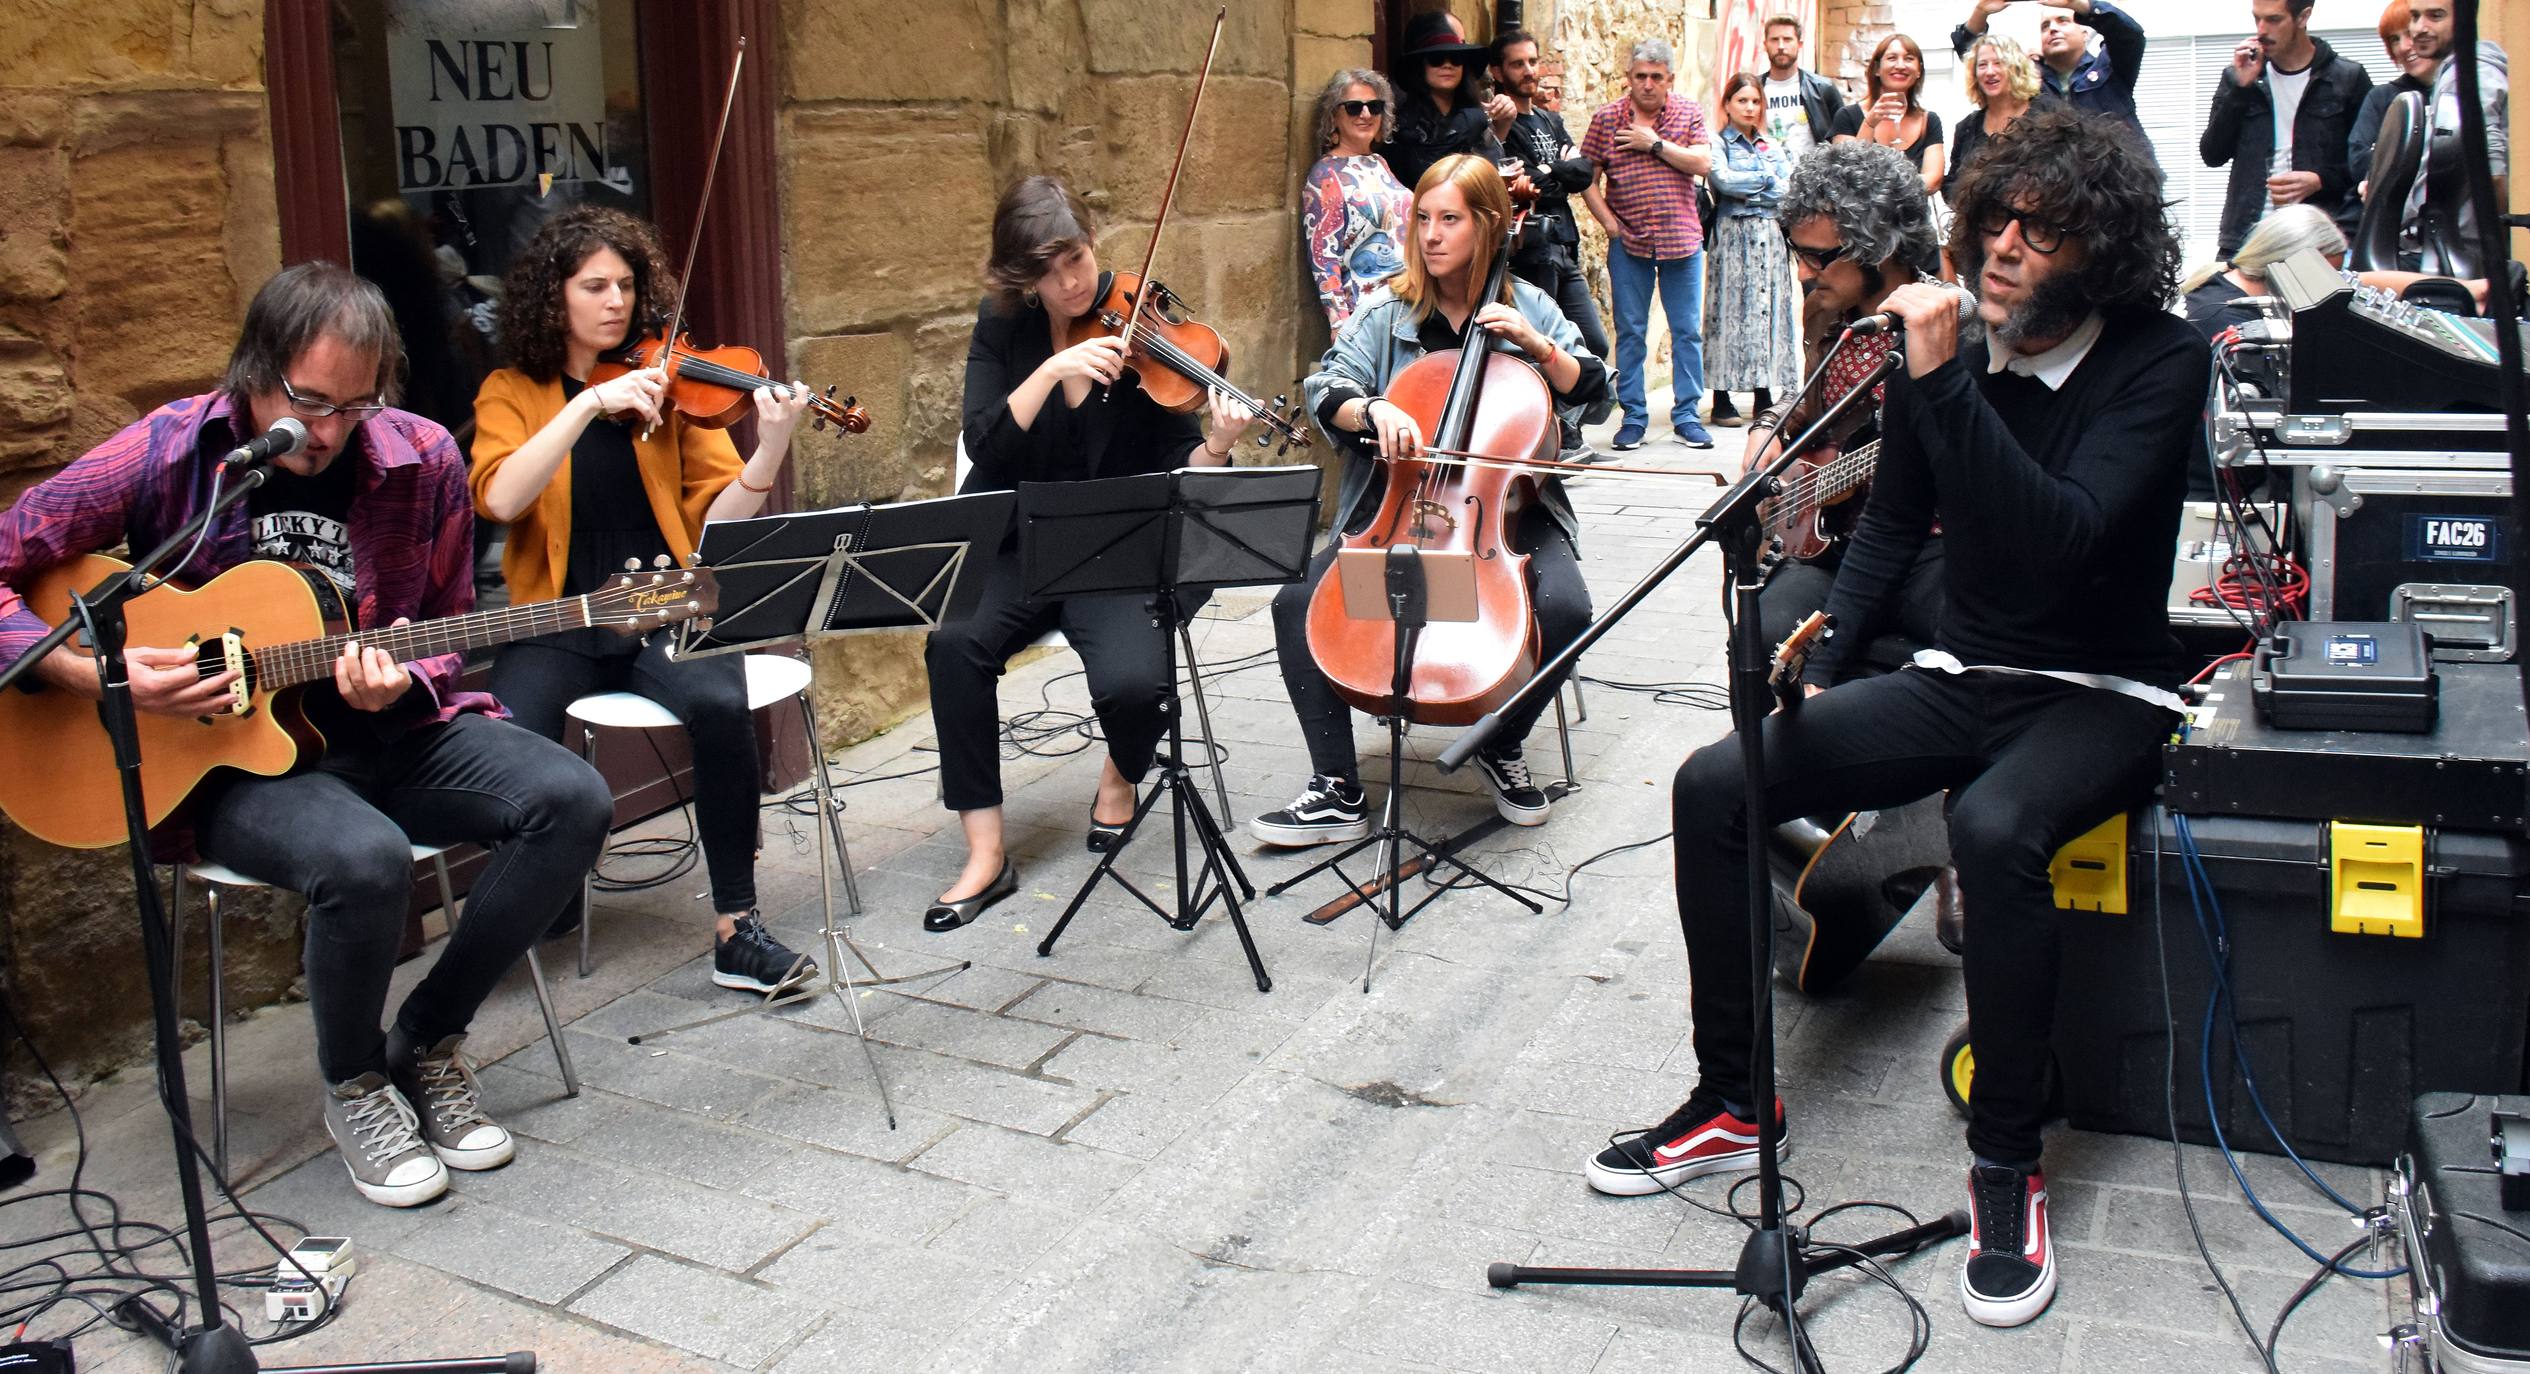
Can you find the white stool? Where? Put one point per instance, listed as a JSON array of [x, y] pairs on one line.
[[215, 880], [770, 679]]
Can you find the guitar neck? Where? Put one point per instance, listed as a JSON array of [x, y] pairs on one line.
[[308, 660]]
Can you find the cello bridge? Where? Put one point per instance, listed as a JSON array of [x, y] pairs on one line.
[[1426, 512]]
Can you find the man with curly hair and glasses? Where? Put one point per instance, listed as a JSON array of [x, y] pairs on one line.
[[2054, 453]]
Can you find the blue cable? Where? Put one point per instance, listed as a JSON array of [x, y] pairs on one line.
[[2202, 898]]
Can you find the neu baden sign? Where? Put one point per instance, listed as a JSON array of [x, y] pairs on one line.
[[480, 109]]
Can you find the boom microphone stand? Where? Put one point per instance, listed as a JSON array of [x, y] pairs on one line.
[[214, 1347], [1778, 1260]]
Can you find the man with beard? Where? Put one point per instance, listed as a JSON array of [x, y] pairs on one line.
[[2054, 454], [1549, 253], [2280, 117], [2430, 34], [1859, 227]]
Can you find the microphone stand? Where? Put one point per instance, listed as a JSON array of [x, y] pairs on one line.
[[1778, 1260], [214, 1346]]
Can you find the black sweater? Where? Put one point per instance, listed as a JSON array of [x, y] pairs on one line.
[[2059, 509], [1124, 433]]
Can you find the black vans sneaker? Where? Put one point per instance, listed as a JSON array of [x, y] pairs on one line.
[[751, 960], [2010, 1276], [1515, 794], [1701, 1137], [1328, 811]]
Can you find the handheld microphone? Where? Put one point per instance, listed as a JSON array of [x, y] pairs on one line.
[[1889, 321], [287, 436]]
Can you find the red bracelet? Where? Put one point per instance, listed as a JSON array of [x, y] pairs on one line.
[[742, 481]]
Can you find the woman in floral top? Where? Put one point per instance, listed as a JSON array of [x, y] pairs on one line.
[[1752, 304], [1353, 208]]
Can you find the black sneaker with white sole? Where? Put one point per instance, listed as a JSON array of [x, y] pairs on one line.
[[2010, 1276], [1701, 1137], [1515, 794], [751, 960], [1327, 811]]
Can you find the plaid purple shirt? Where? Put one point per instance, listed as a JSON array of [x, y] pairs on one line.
[[411, 527], [1653, 200]]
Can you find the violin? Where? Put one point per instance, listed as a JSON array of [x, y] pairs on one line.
[[714, 387], [1179, 358], [1475, 403]]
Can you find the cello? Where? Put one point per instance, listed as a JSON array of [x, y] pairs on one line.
[[1475, 403]]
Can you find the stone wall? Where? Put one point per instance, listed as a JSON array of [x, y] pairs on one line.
[[137, 220], [900, 126]]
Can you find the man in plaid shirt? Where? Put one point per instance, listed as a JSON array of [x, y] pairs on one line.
[[1651, 146], [376, 502]]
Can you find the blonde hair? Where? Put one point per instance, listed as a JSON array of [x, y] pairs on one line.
[[2280, 235], [1488, 199], [2020, 74]]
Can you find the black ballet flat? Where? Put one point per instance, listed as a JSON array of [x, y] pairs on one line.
[[1102, 836], [948, 916]]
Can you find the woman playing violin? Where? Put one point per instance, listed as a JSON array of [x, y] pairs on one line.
[[1035, 413], [591, 477], [1461, 210]]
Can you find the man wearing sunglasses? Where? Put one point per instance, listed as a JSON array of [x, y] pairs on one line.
[[2054, 453], [377, 502]]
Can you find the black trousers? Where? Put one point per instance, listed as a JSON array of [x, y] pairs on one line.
[[1557, 272], [538, 678], [342, 834], [1556, 588], [1121, 648], [2030, 762], [1793, 590]]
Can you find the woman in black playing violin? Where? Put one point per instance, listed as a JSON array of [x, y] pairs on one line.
[[1461, 211], [1034, 413]]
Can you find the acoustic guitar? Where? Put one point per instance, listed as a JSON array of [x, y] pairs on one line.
[[281, 626]]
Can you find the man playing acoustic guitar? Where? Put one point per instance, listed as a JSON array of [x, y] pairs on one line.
[[377, 503]]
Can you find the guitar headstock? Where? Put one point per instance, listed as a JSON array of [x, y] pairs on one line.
[[636, 603], [1792, 656]]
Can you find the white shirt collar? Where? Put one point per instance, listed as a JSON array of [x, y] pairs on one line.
[[2051, 367]]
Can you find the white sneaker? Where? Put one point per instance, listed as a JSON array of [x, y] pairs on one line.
[[380, 1140]]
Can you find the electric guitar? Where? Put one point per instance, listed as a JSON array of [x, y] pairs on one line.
[[1796, 518], [1792, 657], [281, 626]]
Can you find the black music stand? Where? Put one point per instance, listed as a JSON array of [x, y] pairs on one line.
[[814, 575], [1164, 535], [1407, 599]]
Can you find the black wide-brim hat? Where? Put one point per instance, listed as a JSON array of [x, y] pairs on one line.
[[1430, 35]]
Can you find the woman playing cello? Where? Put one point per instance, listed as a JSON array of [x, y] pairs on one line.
[[589, 476], [1461, 211], [1034, 413]]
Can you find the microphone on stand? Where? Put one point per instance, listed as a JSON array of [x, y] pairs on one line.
[[1888, 321], [287, 436]]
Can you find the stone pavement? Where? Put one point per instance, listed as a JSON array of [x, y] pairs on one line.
[[1124, 1157]]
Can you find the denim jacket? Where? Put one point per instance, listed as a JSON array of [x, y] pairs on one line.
[[1380, 341], [1748, 179]]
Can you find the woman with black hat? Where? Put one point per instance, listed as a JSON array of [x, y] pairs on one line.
[[1440, 114]]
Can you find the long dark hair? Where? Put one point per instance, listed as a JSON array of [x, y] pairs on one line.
[[535, 331], [1038, 221], [2093, 177], [294, 308], [1871, 74], [1732, 87]]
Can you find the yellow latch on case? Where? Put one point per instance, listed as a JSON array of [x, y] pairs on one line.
[[2090, 872], [2376, 879]]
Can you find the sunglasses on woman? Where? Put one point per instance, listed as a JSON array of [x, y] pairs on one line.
[[1358, 108]]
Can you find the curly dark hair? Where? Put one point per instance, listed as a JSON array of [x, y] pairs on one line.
[[534, 330], [2093, 177]]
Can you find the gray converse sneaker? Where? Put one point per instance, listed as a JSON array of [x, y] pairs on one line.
[[443, 1092], [381, 1143]]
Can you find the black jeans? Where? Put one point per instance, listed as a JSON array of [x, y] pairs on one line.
[[2030, 763], [1557, 272], [1121, 648], [538, 679], [1562, 599], [1913, 616], [341, 834]]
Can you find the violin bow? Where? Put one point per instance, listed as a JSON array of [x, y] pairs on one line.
[[1168, 195], [702, 208]]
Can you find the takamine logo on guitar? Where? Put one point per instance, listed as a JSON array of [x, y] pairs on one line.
[[659, 600]]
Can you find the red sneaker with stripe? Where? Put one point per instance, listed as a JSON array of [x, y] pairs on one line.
[[1701, 1137], [2010, 1276]]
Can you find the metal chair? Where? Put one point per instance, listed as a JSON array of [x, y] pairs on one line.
[[216, 880]]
